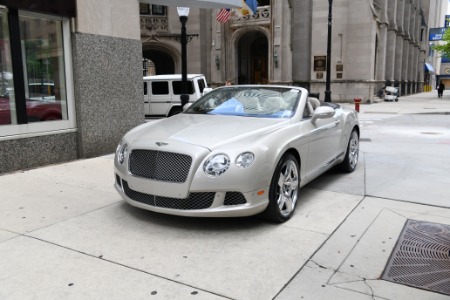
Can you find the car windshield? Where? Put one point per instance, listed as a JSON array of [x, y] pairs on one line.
[[248, 101]]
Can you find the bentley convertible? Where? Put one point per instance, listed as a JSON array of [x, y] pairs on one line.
[[237, 151]]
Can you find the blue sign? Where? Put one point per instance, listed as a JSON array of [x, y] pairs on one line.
[[447, 21], [436, 34]]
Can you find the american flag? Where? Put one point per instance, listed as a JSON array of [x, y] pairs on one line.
[[223, 15]]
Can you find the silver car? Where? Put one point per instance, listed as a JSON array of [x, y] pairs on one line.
[[238, 151]]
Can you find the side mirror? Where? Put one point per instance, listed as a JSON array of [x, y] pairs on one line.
[[322, 112], [186, 106], [206, 91]]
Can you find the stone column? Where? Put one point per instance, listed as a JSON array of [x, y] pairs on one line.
[[382, 40], [275, 44], [391, 41], [399, 43], [406, 38], [285, 63]]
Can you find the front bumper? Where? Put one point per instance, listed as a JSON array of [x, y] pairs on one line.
[[197, 203]]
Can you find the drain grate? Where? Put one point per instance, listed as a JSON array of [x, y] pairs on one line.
[[421, 257]]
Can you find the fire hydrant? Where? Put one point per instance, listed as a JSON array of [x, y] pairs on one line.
[[357, 102]]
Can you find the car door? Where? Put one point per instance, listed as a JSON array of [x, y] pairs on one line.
[[146, 98], [324, 143], [160, 98]]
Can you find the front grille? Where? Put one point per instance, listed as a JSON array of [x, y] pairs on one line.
[[234, 198], [193, 201], [159, 165]]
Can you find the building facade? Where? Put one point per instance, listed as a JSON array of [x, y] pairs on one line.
[[374, 43], [72, 70], [71, 79]]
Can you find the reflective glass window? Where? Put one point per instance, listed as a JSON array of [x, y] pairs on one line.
[[43, 53], [7, 100], [177, 87], [160, 88]]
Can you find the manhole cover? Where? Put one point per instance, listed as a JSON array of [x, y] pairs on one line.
[[421, 257]]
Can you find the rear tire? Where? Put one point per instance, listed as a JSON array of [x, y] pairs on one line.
[[352, 154], [284, 189]]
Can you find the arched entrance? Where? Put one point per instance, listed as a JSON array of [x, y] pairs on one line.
[[162, 62], [253, 50]]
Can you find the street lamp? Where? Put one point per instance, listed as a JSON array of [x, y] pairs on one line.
[[183, 12], [328, 79]]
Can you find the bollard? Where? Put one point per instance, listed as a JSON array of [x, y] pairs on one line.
[[357, 102]]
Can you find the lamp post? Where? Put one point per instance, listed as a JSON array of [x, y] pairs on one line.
[[328, 79], [183, 12]]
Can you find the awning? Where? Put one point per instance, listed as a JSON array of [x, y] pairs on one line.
[[197, 3], [429, 68]]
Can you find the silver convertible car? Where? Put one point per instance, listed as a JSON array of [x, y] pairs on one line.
[[237, 151]]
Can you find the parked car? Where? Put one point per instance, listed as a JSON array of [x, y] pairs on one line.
[[388, 93], [37, 110], [162, 93], [237, 151]]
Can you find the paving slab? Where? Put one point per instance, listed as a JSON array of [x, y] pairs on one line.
[[33, 269], [41, 197], [354, 257], [323, 211], [6, 235], [240, 258], [237, 258]]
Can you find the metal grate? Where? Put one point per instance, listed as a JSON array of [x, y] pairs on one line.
[[193, 201], [159, 165], [234, 198], [421, 257]]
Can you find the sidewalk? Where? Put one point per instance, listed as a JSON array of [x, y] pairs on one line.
[[426, 103], [66, 234]]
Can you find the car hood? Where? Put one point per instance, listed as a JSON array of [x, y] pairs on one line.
[[209, 131]]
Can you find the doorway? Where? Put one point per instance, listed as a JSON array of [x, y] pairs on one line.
[[253, 50], [161, 62]]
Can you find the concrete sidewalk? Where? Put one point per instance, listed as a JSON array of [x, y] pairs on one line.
[[66, 234]]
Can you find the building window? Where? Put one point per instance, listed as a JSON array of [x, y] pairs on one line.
[[152, 10], [158, 10], [36, 89]]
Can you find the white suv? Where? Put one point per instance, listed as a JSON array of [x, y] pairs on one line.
[[162, 93]]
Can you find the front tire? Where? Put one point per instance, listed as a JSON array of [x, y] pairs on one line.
[[352, 154], [284, 189]]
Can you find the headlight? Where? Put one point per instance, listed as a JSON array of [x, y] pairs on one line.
[[216, 165], [245, 160], [122, 152]]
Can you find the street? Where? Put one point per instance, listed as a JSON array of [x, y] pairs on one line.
[[66, 234]]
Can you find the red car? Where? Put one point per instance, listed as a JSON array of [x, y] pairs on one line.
[[37, 110]]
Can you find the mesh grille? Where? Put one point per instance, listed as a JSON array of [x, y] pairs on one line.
[[159, 165], [193, 201], [234, 198]]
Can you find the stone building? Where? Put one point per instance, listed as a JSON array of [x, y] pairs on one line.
[[71, 79], [71, 71], [374, 43]]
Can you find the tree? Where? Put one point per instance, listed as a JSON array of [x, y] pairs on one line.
[[444, 48]]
